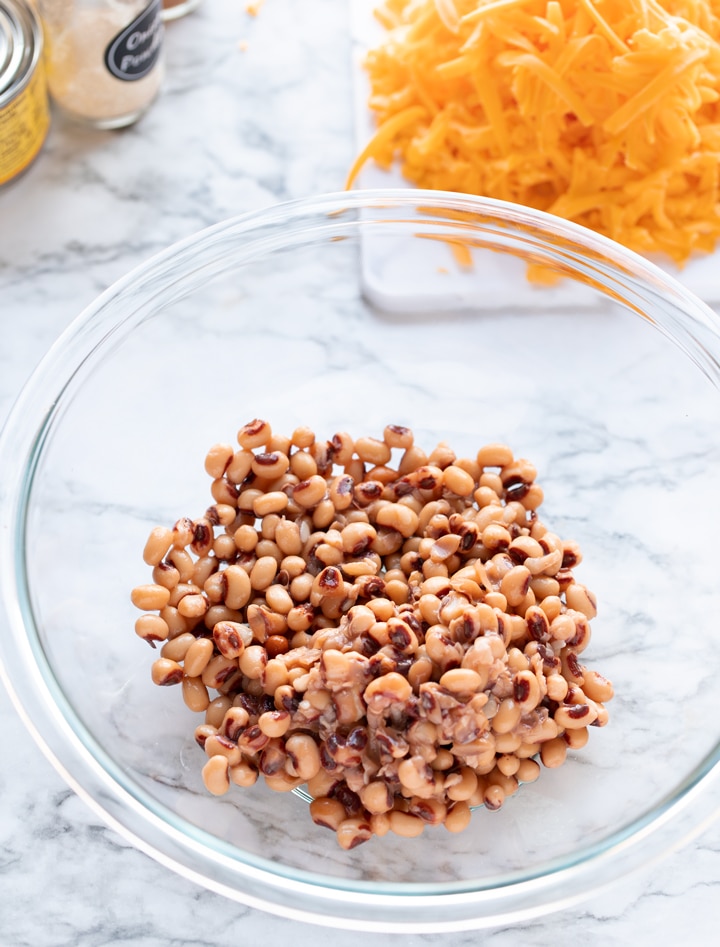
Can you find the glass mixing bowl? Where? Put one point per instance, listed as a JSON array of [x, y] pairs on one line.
[[348, 312]]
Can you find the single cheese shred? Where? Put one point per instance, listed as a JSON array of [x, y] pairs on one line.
[[604, 112]]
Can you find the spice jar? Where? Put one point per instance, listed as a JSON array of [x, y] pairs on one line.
[[174, 9], [103, 58]]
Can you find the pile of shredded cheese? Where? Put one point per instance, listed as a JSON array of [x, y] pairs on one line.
[[604, 112]]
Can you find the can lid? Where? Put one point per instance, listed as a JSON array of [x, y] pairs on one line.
[[17, 45]]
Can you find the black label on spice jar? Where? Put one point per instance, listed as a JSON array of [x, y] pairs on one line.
[[134, 52]]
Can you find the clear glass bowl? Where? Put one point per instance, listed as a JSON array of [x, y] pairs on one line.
[[348, 312]]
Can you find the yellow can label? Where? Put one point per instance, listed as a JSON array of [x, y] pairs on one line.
[[24, 124]]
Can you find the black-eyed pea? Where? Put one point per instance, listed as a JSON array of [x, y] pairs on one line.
[[150, 597], [195, 694], [538, 625], [183, 531], [246, 538], [217, 613], [526, 691], [243, 774], [508, 784], [508, 742], [528, 771], [534, 497], [274, 723], [282, 781], [514, 585], [551, 604], [279, 599], [494, 796], [256, 433], [303, 755], [420, 671], [252, 662], [328, 812], [275, 674], [462, 681], [405, 824], [216, 711], [562, 627], [508, 764], [485, 497], [275, 501], [581, 599], [303, 465], [495, 537], [177, 625], [238, 587], [444, 760], [557, 687], [458, 817], [494, 455], [527, 750], [224, 492], [166, 673], [574, 716], [231, 638], [576, 739], [218, 670], [323, 514], [597, 687], [193, 605], [412, 459], [219, 745], [553, 753], [198, 656], [152, 628], [399, 517], [507, 716], [458, 481], [263, 573], [215, 775], [157, 545], [234, 722], [460, 786], [180, 591], [308, 493], [372, 451], [300, 587], [176, 648], [353, 832], [397, 436], [165, 574], [376, 797], [202, 733], [523, 548], [217, 459]]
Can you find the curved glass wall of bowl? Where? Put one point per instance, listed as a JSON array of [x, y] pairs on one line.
[[272, 315]]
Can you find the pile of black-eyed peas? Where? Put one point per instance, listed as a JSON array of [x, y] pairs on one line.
[[394, 630]]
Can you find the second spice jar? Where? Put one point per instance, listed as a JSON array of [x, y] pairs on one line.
[[104, 58]]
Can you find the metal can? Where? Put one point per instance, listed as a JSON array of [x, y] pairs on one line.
[[24, 108]]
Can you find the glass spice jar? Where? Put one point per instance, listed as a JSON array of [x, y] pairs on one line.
[[103, 58], [174, 9]]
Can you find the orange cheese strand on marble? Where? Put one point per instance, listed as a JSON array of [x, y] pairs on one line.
[[605, 112]]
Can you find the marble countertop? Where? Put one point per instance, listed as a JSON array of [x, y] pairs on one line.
[[254, 110]]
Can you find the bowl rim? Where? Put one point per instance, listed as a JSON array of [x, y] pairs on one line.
[[71, 748]]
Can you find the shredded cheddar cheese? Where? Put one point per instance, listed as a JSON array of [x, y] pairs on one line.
[[604, 112]]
